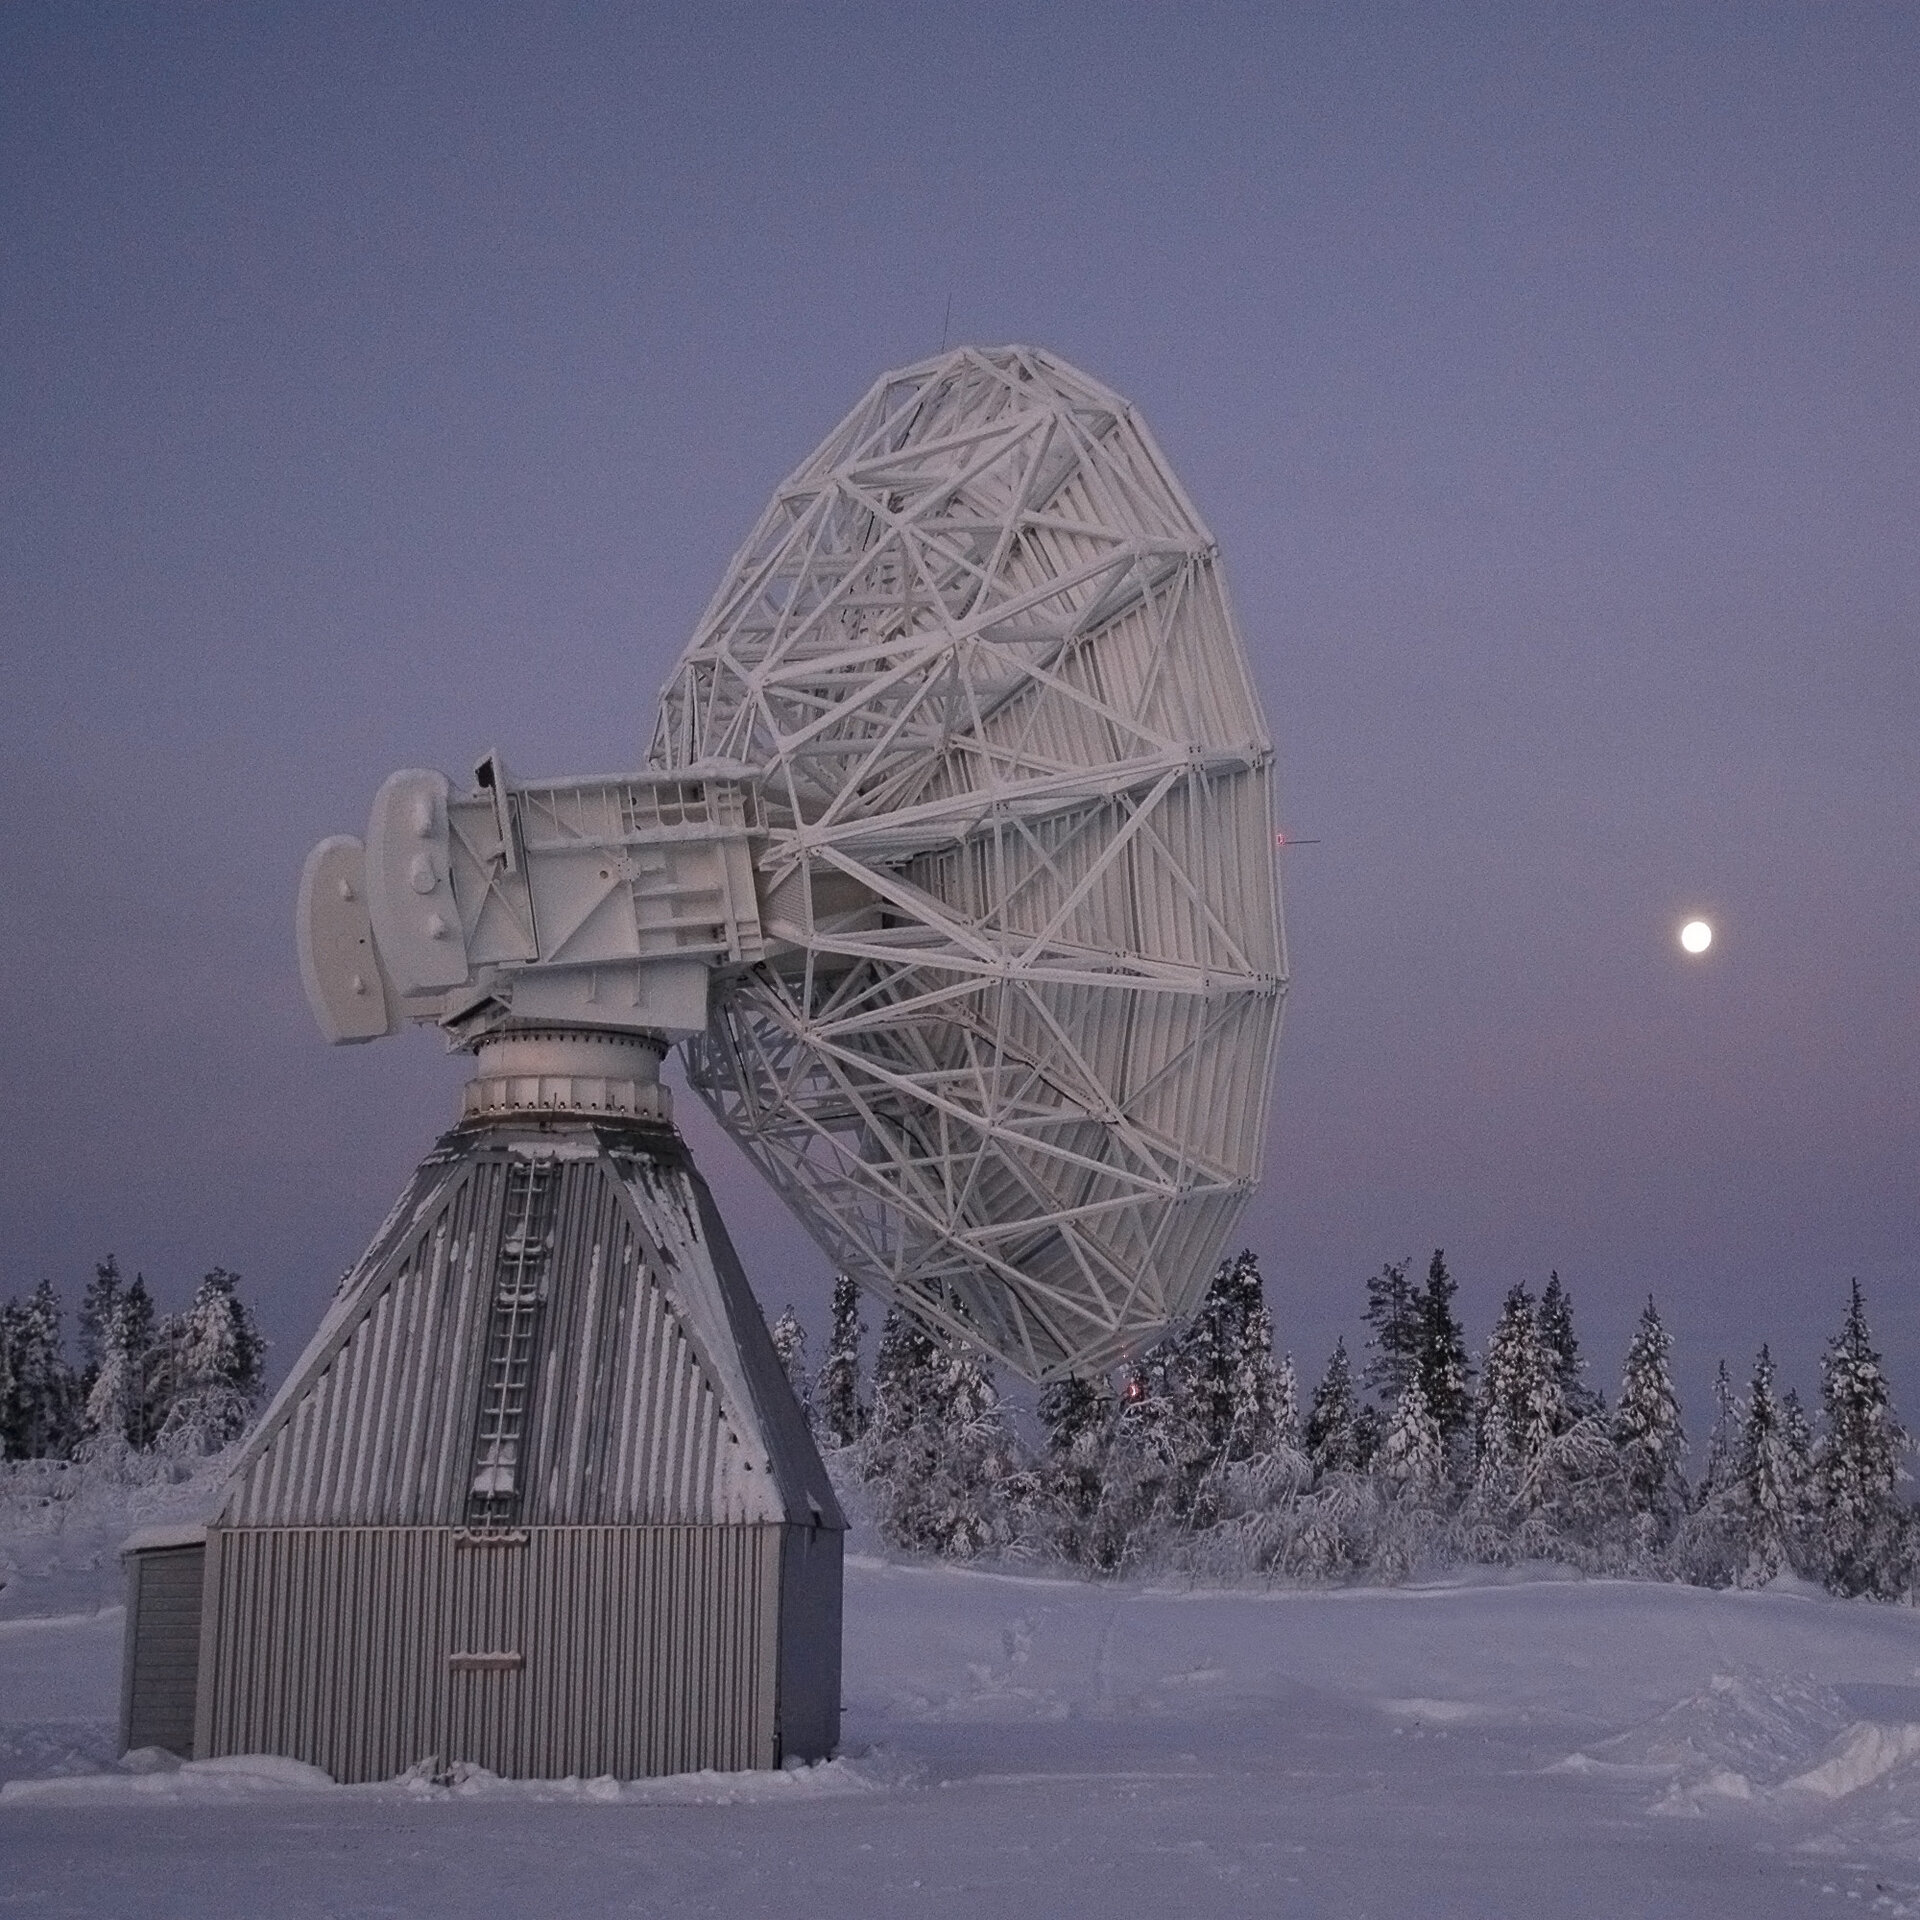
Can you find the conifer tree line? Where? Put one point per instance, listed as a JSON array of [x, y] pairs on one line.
[[1412, 1454], [185, 1382]]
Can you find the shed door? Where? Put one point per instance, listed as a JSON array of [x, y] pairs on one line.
[[163, 1648]]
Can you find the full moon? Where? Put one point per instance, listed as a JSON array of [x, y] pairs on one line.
[[1696, 936]]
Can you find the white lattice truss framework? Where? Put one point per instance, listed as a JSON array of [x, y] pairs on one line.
[[1010, 1056]]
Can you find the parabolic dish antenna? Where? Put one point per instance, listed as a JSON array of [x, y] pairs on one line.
[[952, 869], [1010, 1055]]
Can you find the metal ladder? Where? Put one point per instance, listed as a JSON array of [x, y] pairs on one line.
[[519, 1290]]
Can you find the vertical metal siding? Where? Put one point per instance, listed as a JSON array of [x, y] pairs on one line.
[[647, 1650], [633, 1622], [628, 1423]]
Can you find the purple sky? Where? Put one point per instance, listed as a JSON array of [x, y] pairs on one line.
[[384, 383]]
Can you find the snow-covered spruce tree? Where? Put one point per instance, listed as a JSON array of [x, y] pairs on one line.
[[1253, 1383], [1276, 1512], [1073, 1411], [1446, 1374], [939, 1456], [1543, 1409], [1555, 1317], [1330, 1437], [1546, 1485], [1223, 1395], [903, 1369], [1320, 1516], [790, 1343], [1132, 1512], [38, 1417], [1650, 1440], [982, 1489], [1162, 1446], [1201, 1403], [1864, 1531], [1495, 1485], [897, 1449], [1519, 1408], [1286, 1403], [1369, 1423], [1196, 1380], [1796, 1434], [1394, 1332], [1719, 1474], [1710, 1548], [1245, 1505], [137, 1333], [1409, 1469], [1077, 1417], [1412, 1461], [216, 1361], [1767, 1496], [842, 1416], [1214, 1381], [95, 1319], [115, 1400]]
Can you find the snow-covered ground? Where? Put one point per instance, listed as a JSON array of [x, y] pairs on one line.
[[1042, 1747]]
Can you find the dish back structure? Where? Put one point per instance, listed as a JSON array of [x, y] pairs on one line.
[[1009, 1051]]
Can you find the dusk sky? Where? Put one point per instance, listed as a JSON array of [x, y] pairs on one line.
[[386, 383]]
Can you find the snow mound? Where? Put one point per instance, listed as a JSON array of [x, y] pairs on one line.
[[1763, 1728], [55, 1748], [146, 1776], [1439, 1713], [1860, 1756], [1879, 1820], [149, 1774], [826, 1779], [1766, 1743]]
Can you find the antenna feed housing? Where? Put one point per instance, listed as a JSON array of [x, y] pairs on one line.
[[602, 903]]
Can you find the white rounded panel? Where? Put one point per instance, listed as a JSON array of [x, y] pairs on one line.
[[339, 963]]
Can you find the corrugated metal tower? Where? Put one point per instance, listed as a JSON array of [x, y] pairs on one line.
[[537, 1495], [953, 869]]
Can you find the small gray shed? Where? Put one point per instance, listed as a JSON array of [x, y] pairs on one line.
[[160, 1668], [536, 1496]]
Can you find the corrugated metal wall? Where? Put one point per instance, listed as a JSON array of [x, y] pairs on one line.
[[630, 1421], [615, 1598], [162, 1658], [640, 1650]]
